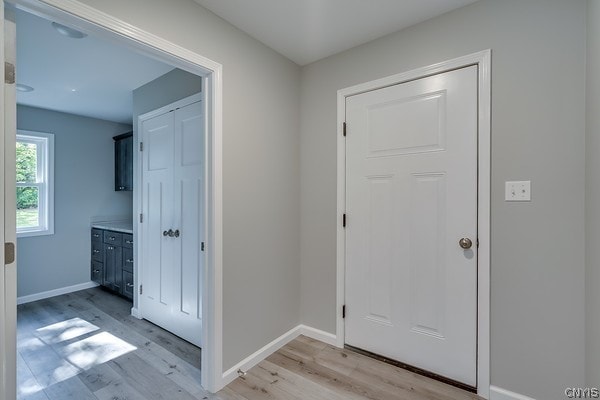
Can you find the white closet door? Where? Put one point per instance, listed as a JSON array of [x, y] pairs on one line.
[[157, 255], [173, 200], [188, 173]]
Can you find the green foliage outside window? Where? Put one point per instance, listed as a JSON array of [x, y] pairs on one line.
[[27, 197]]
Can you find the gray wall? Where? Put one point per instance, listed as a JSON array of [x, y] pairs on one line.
[[83, 188], [166, 89], [592, 199], [260, 168], [538, 133]]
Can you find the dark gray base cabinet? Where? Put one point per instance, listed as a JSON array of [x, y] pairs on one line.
[[112, 261]]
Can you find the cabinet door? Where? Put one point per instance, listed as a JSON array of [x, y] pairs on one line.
[[128, 260], [124, 163], [97, 252], [128, 284], [97, 272], [113, 267]]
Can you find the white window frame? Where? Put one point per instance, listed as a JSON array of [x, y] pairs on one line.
[[44, 182]]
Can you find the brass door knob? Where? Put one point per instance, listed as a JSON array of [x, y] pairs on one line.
[[465, 243]]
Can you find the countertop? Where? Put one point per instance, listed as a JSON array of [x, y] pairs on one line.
[[117, 226]]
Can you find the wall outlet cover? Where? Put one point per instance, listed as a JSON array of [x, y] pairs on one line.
[[518, 191]]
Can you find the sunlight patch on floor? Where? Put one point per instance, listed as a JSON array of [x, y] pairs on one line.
[[55, 361], [95, 350], [65, 330]]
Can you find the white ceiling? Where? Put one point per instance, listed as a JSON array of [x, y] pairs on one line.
[[308, 30], [90, 76]]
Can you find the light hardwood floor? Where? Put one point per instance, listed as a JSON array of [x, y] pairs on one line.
[[85, 345]]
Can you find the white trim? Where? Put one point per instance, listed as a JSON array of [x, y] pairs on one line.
[[483, 61], [136, 313], [91, 20], [261, 354], [55, 292], [497, 393], [46, 189], [170, 107], [318, 334]]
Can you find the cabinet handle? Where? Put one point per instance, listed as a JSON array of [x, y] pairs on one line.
[[96, 251], [111, 238], [129, 261], [96, 271], [130, 285], [110, 248], [96, 235], [129, 241]]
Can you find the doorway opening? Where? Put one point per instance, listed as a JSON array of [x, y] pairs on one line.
[[90, 22]]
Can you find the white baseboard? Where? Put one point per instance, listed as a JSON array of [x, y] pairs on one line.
[[267, 350], [135, 312], [318, 334], [253, 359], [497, 393], [55, 292]]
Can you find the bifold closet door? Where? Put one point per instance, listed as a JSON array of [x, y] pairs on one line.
[[173, 208]]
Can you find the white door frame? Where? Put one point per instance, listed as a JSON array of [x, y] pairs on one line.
[[93, 21], [8, 234], [483, 61]]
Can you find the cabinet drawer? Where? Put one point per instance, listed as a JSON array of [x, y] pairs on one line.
[[97, 272], [97, 252], [127, 240], [128, 284], [114, 238], [96, 235], [127, 259]]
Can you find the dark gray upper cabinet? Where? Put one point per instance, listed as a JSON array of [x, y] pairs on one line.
[[124, 162]]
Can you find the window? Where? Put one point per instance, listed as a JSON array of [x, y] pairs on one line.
[[35, 183]]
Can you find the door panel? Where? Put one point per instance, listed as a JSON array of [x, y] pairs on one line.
[[157, 160], [411, 166], [173, 200], [188, 177]]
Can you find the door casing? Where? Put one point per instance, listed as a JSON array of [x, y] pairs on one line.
[[90, 20], [482, 60]]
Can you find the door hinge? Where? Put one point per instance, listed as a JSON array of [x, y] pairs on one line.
[[344, 129], [141, 289], [9, 253], [344, 311], [344, 220], [141, 218], [9, 73], [141, 146], [202, 246]]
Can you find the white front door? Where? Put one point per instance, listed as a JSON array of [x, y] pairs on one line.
[[173, 227], [411, 166]]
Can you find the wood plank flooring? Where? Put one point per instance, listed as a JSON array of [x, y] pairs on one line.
[[85, 345]]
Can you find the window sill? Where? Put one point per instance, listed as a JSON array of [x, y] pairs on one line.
[[25, 234]]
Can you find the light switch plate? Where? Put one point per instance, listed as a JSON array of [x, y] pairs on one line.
[[518, 191]]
